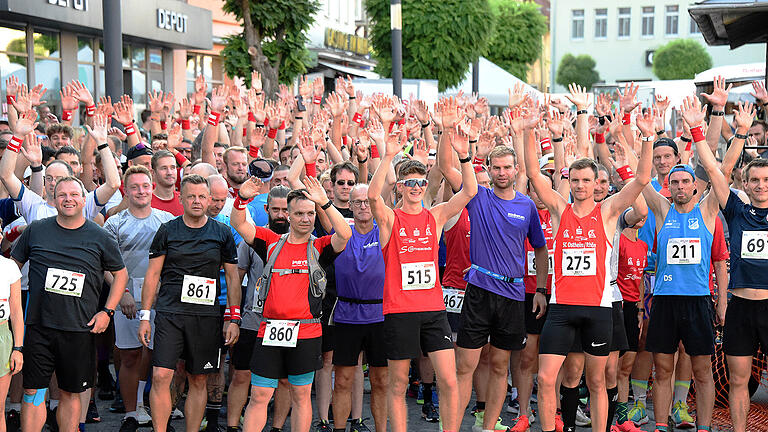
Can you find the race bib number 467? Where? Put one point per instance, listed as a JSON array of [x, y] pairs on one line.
[[418, 276], [453, 299], [198, 290], [64, 282], [754, 244]]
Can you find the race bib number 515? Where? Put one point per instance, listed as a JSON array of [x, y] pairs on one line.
[[418, 276], [64, 282], [198, 290]]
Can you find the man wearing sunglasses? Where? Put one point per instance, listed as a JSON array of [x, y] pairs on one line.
[[415, 320]]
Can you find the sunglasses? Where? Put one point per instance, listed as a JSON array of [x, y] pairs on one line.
[[347, 182], [414, 182]]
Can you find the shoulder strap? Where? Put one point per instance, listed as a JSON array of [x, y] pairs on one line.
[[317, 278], [266, 275]]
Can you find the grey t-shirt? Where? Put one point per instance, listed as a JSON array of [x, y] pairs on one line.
[[248, 259]]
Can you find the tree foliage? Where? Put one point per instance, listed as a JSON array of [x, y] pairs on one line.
[[517, 42], [273, 40], [681, 59], [577, 69], [441, 38]]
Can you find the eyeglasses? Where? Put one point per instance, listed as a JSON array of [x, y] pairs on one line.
[[359, 203], [414, 182], [349, 183]]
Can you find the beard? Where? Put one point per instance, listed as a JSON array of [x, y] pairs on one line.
[[278, 226]]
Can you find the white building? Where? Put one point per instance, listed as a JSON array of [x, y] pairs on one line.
[[622, 36]]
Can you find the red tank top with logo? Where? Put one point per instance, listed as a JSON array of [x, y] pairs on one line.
[[412, 282], [632, 260], [582, 260], [530, 262], [457, 252]]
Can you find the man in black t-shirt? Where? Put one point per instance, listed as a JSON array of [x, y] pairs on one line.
[[186, 254], [67, 256]]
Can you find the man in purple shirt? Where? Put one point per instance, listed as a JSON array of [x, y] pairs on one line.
[[358, 315], [501, 220]]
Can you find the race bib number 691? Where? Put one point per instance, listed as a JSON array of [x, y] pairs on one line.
[[754, 244]]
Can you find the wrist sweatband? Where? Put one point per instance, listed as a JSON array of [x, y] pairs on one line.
[[740, 136], [66, 115], [317, 100], [541, 290], [688, 147], [102, 146], [356, 118], [234, 312], [251, 117], [271, 133], [472, 141], [684, 138], [477, 161], [697, 133], [311, 169], [90, 110], [600, 138], [240, 203], [626, 119], [718, 113], [213, 118], [10, 99], [145, 314], [344, 140], [180, 159], [546, 144], [352, 97], [227, 314], [245, 132], [580, 112], [196, 109], [163, 125], [185, 124], [35, 169], [253, 151], [282, 125], [14, 233], [625, 172], [601, 120], [14, 144], [129, 129], [375, 151]]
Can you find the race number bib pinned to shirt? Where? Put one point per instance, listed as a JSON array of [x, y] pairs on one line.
[[754, 244], [579, 262], [198, 290], [684, 251], [532, 262], [5, 309], [453, 299], [418, 276], [64, 282], [282, 333]]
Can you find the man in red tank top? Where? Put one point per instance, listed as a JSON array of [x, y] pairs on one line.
[[415, 320], [581, 297]]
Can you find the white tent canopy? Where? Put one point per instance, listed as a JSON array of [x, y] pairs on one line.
[[494, 84]]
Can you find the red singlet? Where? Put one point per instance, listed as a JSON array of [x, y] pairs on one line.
[[530, 267], [633, 256], [457, 252]]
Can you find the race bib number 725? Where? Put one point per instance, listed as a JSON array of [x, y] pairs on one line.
[[64, 282]]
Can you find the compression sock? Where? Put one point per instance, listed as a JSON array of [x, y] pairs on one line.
[[661, 427], [613, 393], [426, 391], [140, 394], [639, 389], [81, 427], [274, 429], [212, 410], [621, 412], [569, 401], [14, 406], [681, 391], [340, 429]]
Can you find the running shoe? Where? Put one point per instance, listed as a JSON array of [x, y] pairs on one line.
[[93, 413], [429, 412], [129, 424], [117, 407], [680, 416], [637, 414], [478, 426], [559, 425], [628, 426], [142, 417], [615, 428], [521, 425], [323, 426], [13, 421], [513, 406], [177, 414], [357, 425], [582, 419]]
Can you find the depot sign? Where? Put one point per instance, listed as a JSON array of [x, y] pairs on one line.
[[171, 20]]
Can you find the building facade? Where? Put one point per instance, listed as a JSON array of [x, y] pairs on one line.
[[623, 35]]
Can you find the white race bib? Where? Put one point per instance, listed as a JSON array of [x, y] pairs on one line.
[[453, 299], [579, 262], [64, 282], [418, 276], [684, 251], [198, 290], [754, 244], [282, 333], [5, 309], [532, 262], [137, 284], [256, 302]]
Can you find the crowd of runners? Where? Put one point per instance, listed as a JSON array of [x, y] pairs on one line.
[[269, 247]]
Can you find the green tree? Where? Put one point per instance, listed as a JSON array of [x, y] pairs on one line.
[[680, 59], [577, 69], [517, 42], [273, 41], [441, 38]]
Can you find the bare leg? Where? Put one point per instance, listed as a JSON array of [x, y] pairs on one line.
[[237, 395], [549, 365], [194, 407], [301, 405], [68, 414], [357, 390], [466, 363], [705, 389], [129, 377], [256, 413], [528, 366], [160, 397], [662, 394], [323, 386], [739, 368], [479, 377], [32, 416], [342, 395], [282, 404], [595, 374], [444, 364], [378, 377], [497, 386], [398, 384]]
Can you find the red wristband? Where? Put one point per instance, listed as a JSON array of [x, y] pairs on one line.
[[625, 172], [13, 234], [129, 129], [227, 314], [15, 144], [391, 126], [478, 161], [344, 140], [600, 138], [375, 151], [272, 133], [546, 144], [317, 100], [90, 110], [234, 312], [10, 99], [196, 109], [282, 125], [66, 115], [253, 151], [251, 117], [213, 118], [239, 204], [245, 132], [311, 169], [185, 124], [697, 133], [180, 159], [357, 117], [688, 146], [626, 119], [163, 125]]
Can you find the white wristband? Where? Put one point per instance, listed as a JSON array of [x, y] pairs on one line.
[[144, 314]]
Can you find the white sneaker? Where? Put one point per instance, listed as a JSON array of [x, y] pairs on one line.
[[142, 417], [177, 414], [581, 419]]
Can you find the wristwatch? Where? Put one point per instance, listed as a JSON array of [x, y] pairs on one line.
[[19, 349], [541, 290], [237, 321], [110, 312]]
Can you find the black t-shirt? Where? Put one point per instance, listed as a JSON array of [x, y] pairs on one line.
[[196, 252], [330, 270], [88, 251]]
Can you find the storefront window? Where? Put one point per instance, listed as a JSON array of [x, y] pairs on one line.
[[139, 87], [85, 75], [46, 44], [210, 67], [84, 50], [155, 59], [139, 57], [13, 54], [48, 63]]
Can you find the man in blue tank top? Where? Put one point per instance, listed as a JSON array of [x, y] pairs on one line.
[[358, 315], [746, 319], [682, 308]]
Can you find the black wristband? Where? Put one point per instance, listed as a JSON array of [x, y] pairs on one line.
[[661, 132], [241, 197], [18, 348], [259, 93], [327, 205], [465, 160], [102, 146], [740, 136], [362, 161], [295, 118], [352, 97], [601, 120], [425, 125], [718, 113], [541, 290], [472, 141], [36, 168], [237, 321], [554, 140], [109, 312], [579, 112], [685, 139]]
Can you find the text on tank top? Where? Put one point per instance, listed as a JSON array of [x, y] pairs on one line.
[[530, 257]]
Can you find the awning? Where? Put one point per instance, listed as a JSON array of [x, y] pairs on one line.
[[731, 22], [363, 73]]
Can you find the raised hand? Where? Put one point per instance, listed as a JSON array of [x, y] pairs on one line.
[[26, 123], [719, 96], [745, 115], [32, 150], [420, 110], [174, 136], [11, 85], [105, 107], [555, 124], [219, 99], [481, 106], [99, 130], [485, 144], [307, 149], [169, 102], [661, 103], [602, 104], [693, 112], [115, 132], [200, 90], [156, 101], [394, 142], [185, 108], [250, 188], [258, 138], [376, 131], [578, 96], [450, 113], [646, 122], [68, 101], [124, 110], [256, 82], [318, 87], [516, 95], [22, 103], [759, 92], [36, 94], [627, 98], [361, 149], [305, 89], [337, 104], [81, 93], [314, 190]]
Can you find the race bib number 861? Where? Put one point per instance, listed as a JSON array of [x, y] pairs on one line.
[[198, 290]]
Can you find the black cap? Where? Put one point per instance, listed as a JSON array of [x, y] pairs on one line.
[[665, 142], [139, 149], [261, 169]]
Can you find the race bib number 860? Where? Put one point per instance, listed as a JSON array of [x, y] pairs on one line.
[[64, 282], [282, 333]]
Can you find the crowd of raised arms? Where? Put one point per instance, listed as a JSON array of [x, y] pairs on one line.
[[263, 244]]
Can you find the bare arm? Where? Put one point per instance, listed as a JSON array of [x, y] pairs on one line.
[[553, 200], [151, 281]]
